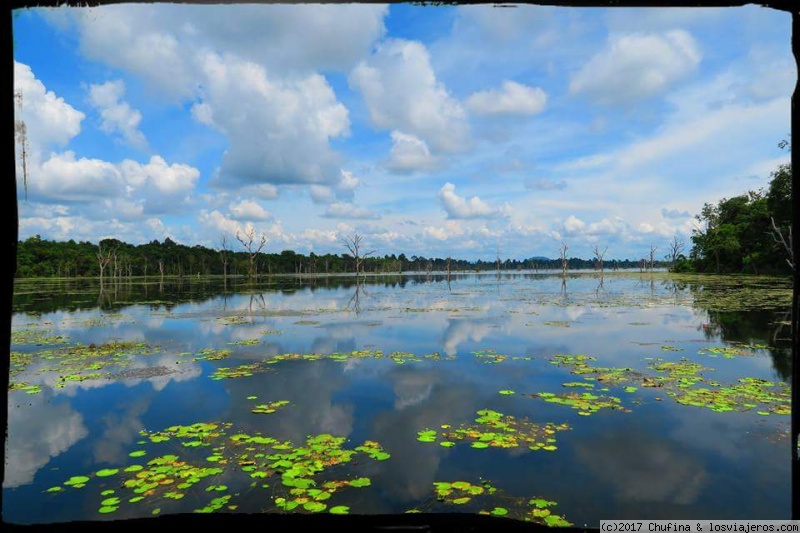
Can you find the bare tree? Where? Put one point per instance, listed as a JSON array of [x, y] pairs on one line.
[[599, 255], [563, 253], [223, 255], [252, 248], [21, 136], [676, 246], [786, 242], [104, 257], [652, 253], [354, 244]]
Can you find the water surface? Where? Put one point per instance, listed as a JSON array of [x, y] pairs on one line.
[[396, 370]]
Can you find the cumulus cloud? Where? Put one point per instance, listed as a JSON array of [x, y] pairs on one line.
[[511, 99], [573, 225], [402, 93], [160, 42], [116, 114], [66, 178], [343, 190], [50, 121], [636, 66], [165, 179], [409, 153], [284, 135], [248, 210], [461, 207]]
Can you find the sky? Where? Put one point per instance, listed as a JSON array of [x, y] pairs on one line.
[[467, 131]]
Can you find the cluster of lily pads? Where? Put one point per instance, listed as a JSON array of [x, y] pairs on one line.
[[493, 429], [464, 493], [296, 477], [681, 381], [78, 362]]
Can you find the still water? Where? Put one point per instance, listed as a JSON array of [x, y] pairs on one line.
[[526, 395]]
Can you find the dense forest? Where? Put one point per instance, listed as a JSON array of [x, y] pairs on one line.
[[37, 257], [749, 233]]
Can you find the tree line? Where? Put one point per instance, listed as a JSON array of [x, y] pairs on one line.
[[112, 258]]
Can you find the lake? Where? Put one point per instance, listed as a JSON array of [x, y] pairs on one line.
[[518, 394]]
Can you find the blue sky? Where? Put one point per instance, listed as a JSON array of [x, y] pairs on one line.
[[461, 131]]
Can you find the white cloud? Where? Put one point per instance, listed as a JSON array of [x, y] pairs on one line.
[[349, 211], [343, 190], [160, 42], [117, 115], [512, 99], [636, 66], [170, 180], [279, 130], [64, 177], [573, 225], [249, 210], [402, 93], [460, 207], [50, 121], [322, 194], [409, 153]]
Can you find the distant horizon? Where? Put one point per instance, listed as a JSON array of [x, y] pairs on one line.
[[378, 254], [461, 131]]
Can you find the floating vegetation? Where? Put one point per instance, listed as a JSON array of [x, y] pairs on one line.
[[270, 332], [201, 432], [681, 381], [490, 356], [35, 336], [749, 393], [580, 366], [482, 498], [668, 348], [244, 458], [557, 323], [507, 392], [496, 430], [734, 350], [249, 342], [79, 362], [25, 387], [402, 358], [240, 371], [268, 408], [581, 384], [234, 320], [210, 354], [585, 403], [307, 322]]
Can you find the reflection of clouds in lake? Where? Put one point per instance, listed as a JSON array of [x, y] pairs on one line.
[[181, 370], [397, 432], [156, 369], [729, 435], [643, 467], [412, 388], [460, 330], [309, 386], [575, 312], [120, 431], [30, 446]]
